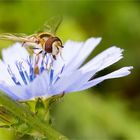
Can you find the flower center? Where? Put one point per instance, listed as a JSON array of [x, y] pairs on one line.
[[30, 68]]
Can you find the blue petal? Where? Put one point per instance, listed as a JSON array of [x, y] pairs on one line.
[[8, 92], [82, 54], [64, 82], [116, 74]]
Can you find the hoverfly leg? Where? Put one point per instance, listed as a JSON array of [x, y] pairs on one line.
[[61, 55], [23, 44], [36, 68], [43, 57], [40, 52], [54, 57]]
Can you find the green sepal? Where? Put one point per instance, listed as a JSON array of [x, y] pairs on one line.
[[41, 110]]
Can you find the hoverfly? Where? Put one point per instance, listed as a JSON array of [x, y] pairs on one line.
[[44, 40]]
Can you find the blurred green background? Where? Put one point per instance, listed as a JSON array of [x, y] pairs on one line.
[[111, 110]]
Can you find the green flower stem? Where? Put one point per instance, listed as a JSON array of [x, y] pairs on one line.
[[28, 117]]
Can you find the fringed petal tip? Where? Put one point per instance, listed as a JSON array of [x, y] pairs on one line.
[[128, 69]]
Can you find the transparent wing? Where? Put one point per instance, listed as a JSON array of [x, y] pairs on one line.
[[16, 37], [51, 25]]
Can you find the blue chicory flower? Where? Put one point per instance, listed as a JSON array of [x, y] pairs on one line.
[[66, 74]]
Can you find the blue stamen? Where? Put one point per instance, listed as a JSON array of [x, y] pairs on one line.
[[27, 76], [62, 69], [51, 75], [32, 76], [42, 67], [58, 76], [20, 68], [12, 76]]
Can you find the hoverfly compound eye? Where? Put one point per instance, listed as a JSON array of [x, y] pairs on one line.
[[52, 41]]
